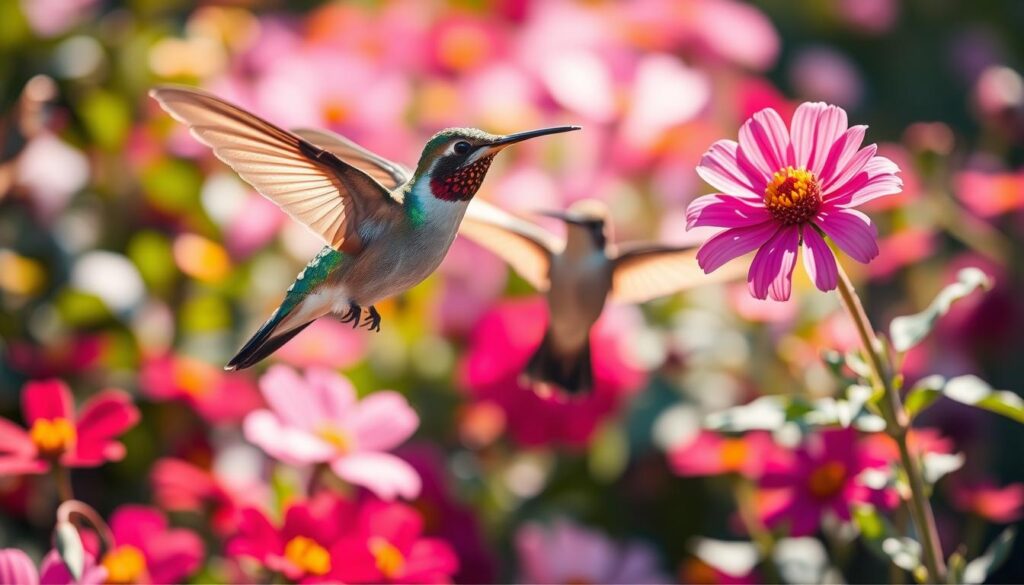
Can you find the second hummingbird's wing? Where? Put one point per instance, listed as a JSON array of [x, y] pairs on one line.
[[642, 272], [386, 172], [312, 185], [526, 247]]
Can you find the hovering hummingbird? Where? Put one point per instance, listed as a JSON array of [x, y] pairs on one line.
[[579, 275], [386, 228]]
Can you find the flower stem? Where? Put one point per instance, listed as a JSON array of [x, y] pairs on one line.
[[897, 425], [62, 479]]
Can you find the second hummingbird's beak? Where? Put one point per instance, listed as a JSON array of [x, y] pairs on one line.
[[566, 216]]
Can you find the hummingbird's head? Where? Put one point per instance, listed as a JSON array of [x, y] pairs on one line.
[[587, 218], [457, 159]]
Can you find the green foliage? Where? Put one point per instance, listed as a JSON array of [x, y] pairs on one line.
[[978, 570], [969, 390], [909, 330]]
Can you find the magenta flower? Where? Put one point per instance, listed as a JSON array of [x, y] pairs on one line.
[[712, 454], [317, 419], [180, 486], [386, 546], [567, 553], [1002, 505], [781, 189], [146, 550], [821, 477], [55, 434], [302, 547], [17, 569], [217, 396]]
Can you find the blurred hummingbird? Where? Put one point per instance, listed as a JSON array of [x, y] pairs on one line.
[[578, 276], [386, 228]]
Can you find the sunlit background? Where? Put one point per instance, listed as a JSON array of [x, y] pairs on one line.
[[130, 257]]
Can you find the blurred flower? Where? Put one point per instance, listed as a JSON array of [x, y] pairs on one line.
[[920, 441], [696, 571], [998, 90], [147, 550], [567, 553], [51, 191], [326, 343], [820, 478], [503, 342], [990, 194], [461, 42], [49, 18], [873, 16], [216, 395], [17, 569], [785, 189], [386, 546], [181, 486], [57, 435], [821, 73], [1002, 505], [304, 547], [318, 419], [62, 357], [710, 453]]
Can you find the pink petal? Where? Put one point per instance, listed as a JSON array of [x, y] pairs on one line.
[[382, 421], [772, 268], [430, 560], [290, 445], [851, 230], [334, 393], [726, 211], [288, 396], [384, 474], [20, 465], [720, 168], [815, 128], [352, 561], [173, 555], [819, 262], [17, 568], [732, 243], [852, 169], [15, 440], [52, 571], [839, 156], [256, 536], [104, 417], [136, 525], [48, 399], [764, 140], [877, 179], [399, 524]]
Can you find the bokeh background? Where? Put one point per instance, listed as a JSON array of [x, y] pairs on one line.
[[131, 258]]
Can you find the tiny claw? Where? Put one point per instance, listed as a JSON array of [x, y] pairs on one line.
[[372, 322], [353, 315]]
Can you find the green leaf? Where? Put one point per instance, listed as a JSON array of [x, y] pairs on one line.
[[974, 391], [905, 552], [909, 330], [980, 568], [766, 413], [938, 465], [609, 453], [70, 549], [107, 117], [923, 394]]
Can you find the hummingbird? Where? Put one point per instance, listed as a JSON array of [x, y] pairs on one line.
[[578, 276], [385, 228]]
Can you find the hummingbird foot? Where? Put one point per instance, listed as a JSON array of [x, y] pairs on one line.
[[372, 322], [355, 312]]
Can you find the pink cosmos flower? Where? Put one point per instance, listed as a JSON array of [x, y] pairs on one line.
[[1002, 505], [317, 419], [567, 553], [503, 342], [180, 486], [146, 550], [216, 395], [17, 569], [712, 454], [57, 435], [782, 189], [302, 548], [385, 546], [820, 477]]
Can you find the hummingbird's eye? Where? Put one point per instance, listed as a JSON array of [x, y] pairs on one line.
[[462, 147]]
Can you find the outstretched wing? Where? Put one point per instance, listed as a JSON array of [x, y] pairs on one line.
[[386, 172], [526, 247], [645, 272], [312, 185]]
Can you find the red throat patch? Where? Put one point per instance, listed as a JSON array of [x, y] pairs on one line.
[[463, 183]]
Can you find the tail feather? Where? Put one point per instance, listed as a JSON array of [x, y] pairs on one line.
[[264, 342], [573, 373]]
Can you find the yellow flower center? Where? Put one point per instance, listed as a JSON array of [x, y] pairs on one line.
[[307, 555], [827, 480], [463, 47], [793, 196], [193, 377], [336, 111], [53, 436], [336, 437], [124, 564], [733, 454], [390, 560]]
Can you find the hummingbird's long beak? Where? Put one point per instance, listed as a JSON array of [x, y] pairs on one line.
[[521, 136]]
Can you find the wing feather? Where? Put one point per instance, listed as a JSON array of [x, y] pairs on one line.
[[645, 272], [315, 187], [386, 172], [525, 246]]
